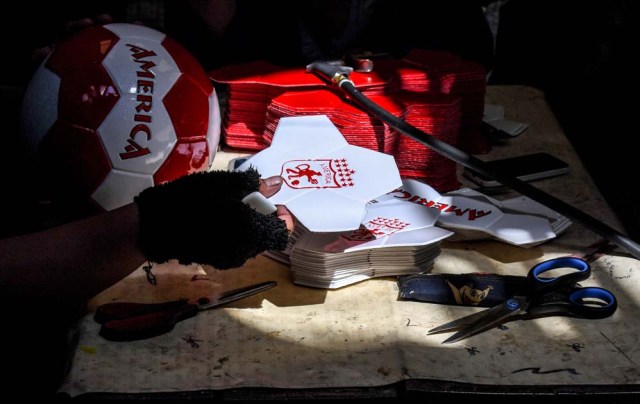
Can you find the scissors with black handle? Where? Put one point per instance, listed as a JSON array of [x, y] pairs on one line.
[[129, 321], [546, 296]]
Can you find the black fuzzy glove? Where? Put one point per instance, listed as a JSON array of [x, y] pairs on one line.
[[200, 218]]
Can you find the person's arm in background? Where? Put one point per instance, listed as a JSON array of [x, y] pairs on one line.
[[76, 260], [82, 258]]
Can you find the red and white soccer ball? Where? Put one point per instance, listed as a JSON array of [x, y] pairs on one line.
[[118, 108]]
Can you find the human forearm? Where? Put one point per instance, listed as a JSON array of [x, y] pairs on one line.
[[199, 218], [76, 260]]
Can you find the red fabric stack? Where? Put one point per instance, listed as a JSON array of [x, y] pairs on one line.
[[449, 74], [436, 92]]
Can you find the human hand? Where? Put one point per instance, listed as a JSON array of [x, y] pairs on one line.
[[268, 187], [201, 218]]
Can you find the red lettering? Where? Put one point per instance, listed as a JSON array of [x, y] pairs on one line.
[[475, 214], [142, 118], [140, 128], [145, 72], [144, 90], [133, 149], [144, 103], [444, 207], [456, 210], [403, 194], [440, 206], [425, 202], [139, 53], [145, 86]]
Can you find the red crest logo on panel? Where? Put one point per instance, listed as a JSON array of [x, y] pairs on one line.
[[321, 173]]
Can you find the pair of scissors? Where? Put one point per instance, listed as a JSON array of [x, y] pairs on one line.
[[129, 321], [545, 296]]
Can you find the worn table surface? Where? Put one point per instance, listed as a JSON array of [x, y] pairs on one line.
[[294, 337]]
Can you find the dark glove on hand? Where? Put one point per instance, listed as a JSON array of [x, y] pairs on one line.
[[200, 218]]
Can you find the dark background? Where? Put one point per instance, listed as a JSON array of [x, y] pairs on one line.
[[580, 55]]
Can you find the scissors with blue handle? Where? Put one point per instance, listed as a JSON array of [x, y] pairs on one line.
[[546, 296]]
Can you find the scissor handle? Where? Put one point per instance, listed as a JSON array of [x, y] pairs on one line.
[[540, 286], [592, 302], [589, 302], [121, 310], [150, 323]]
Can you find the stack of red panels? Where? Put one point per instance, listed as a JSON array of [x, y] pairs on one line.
[[449, 74], [436, 92]]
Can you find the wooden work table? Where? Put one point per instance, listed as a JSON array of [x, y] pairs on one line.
[[361, 341]]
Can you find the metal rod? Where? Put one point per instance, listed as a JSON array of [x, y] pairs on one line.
[[338, 75]]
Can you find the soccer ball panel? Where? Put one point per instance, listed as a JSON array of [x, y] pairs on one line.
[[67, 147], [188, 107], [191, 154], [90, 45], [130, 31], [141, 145], [187, 63], [40, 106], [128, 185], [89, 96], [213, 130], [141, 67], [89, 92]]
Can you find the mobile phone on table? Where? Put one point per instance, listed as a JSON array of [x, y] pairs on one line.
[[527, 167]]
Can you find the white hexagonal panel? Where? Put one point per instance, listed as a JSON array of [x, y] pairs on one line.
[[524, 224], [327, 181], [119, 188], [40, 106], [144, 72]]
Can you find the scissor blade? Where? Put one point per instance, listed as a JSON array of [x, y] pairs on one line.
[[596, 250], [459, 323], [240, 293], [493, 317]]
